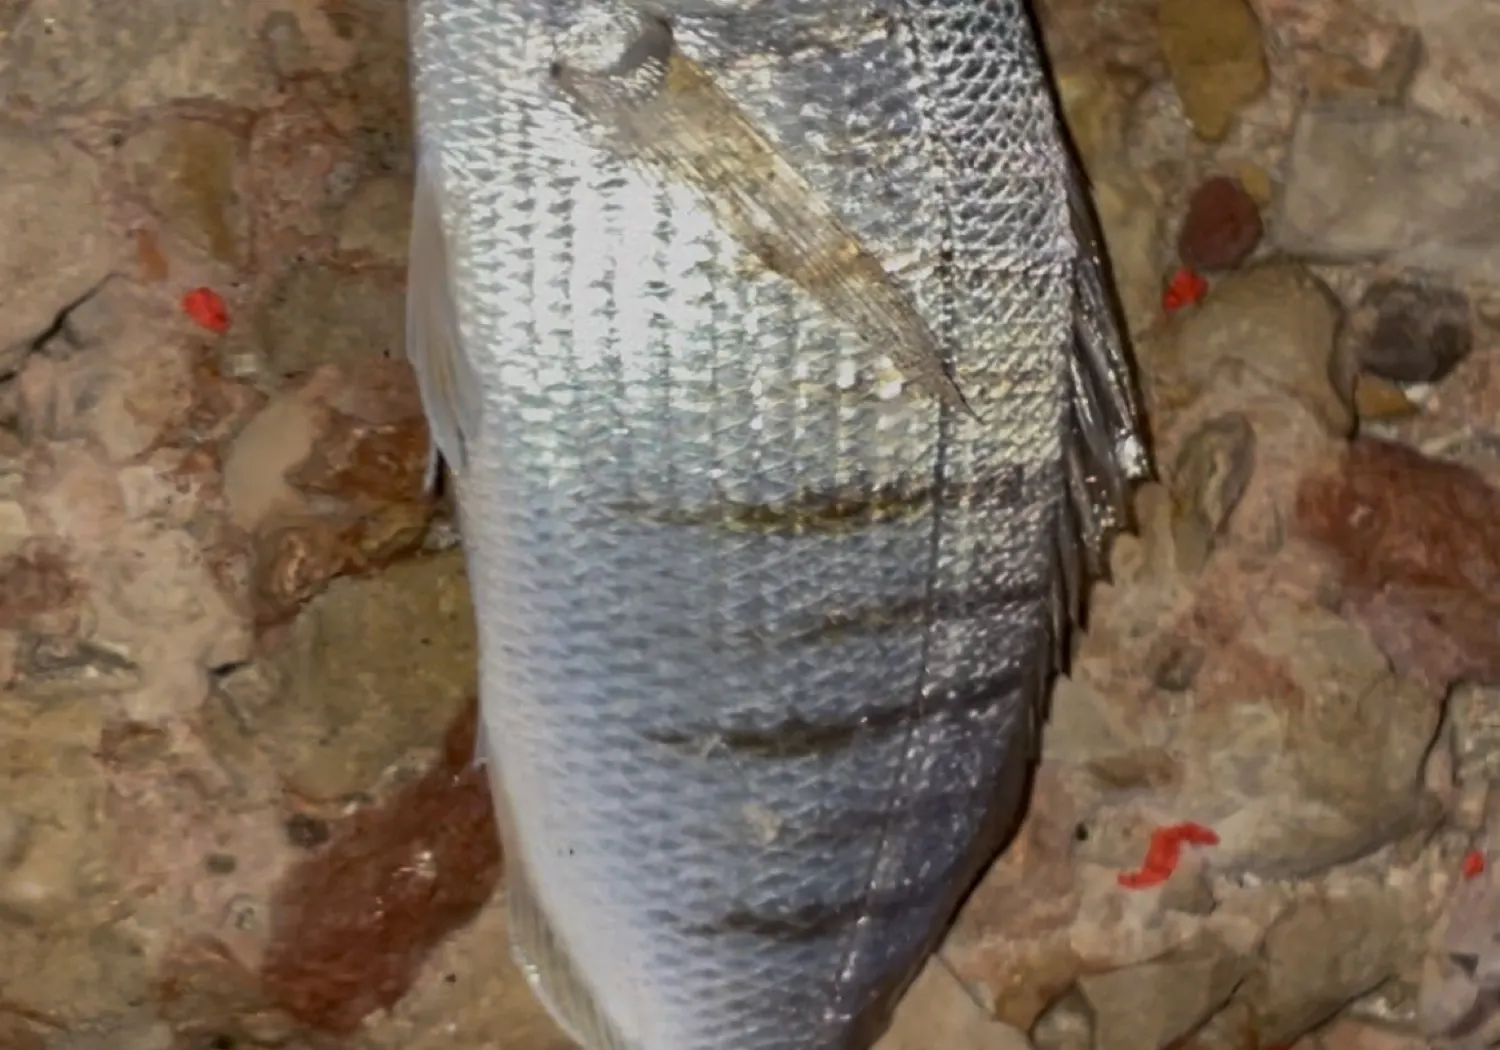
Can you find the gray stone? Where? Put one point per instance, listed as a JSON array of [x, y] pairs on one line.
[[54, 246], [1407, 187]]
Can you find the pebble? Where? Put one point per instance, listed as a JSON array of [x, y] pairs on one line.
[[1216, 58], [1378, 399], [1222, 226], [1414, 332]]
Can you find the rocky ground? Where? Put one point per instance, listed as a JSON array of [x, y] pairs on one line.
[[236, 660]]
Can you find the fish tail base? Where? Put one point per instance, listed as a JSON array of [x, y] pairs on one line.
[[550, 971]]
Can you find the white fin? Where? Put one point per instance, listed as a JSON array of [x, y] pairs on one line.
[[549, 968], [450, 393]]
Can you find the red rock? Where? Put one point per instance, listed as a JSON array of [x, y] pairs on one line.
[[1222, 226], [361, 485], [359, 463], [293, 561], [352, 923], [1417, 541], [36, 580]]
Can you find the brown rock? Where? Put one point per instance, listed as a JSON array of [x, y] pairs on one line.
[[1213, 49], [296, 170], [1222, 226], [351, 924], [295, 560], [362, 463], [1417, 542], [188, 170]]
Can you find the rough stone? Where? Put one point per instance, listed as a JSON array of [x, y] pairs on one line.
[[1461, 46], [54, 247], [376, 220], [1412, 332], [321, 316], [1407, 187], [1279, 322], [1152, 1005], [374, 667], [187, 169], [1209, 478], [75, 54], [1213, 49], [1322, 954], [938, 1011]]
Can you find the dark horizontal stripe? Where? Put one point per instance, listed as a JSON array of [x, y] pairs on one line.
[[823, 919], [969, 603], [796, 737], [841, 511]]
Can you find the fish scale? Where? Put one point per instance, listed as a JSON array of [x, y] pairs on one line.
[[769, 345]]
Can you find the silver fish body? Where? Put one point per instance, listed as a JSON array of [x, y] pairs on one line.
[[769, 343]]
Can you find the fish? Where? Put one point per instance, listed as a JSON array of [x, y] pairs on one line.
[[772, 353]]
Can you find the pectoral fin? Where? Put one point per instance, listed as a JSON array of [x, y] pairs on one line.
[[657, 106]]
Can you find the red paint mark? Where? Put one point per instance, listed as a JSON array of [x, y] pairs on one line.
[[204, 306], [1473, 865], [1164, 852], [1184, 288]]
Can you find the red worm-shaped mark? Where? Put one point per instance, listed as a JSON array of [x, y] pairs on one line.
[[205, 306], [1184, 288], [1473, 865], [1164, 853]]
